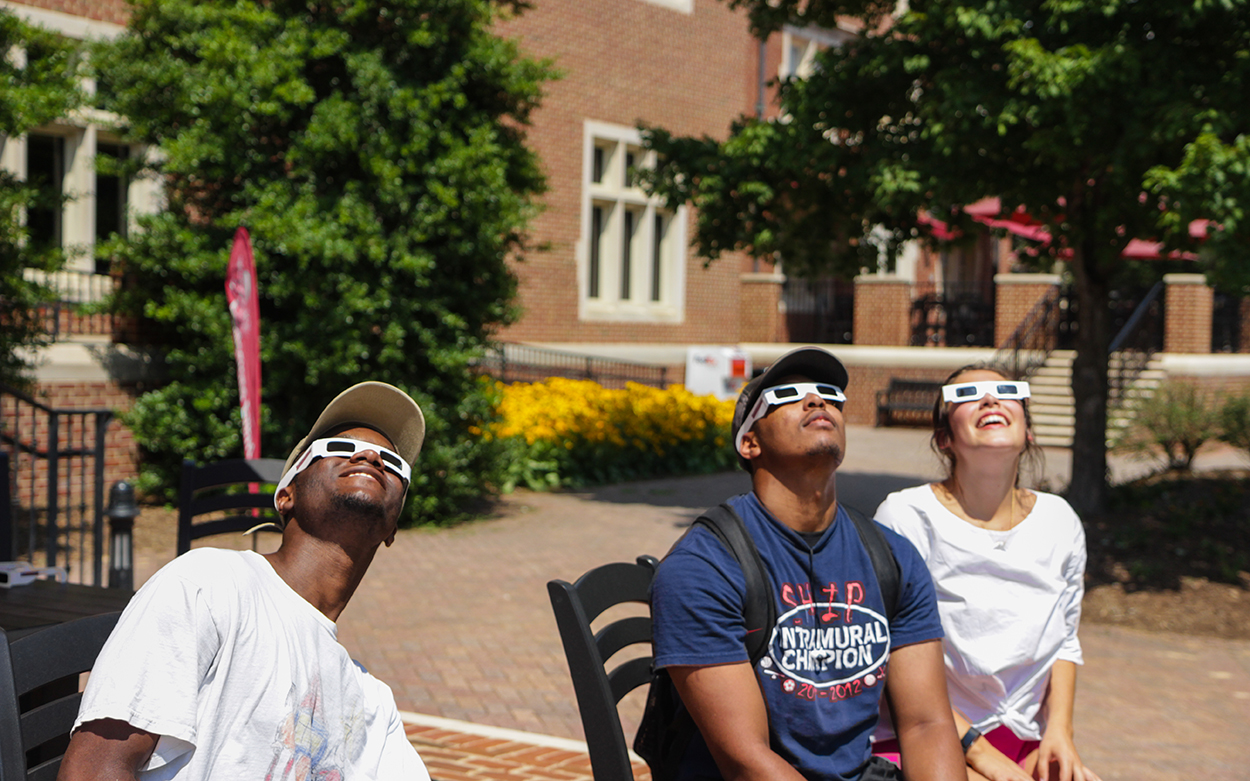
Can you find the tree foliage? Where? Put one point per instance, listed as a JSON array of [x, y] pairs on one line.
[[1105, 119], [39, 82], [375, 151]]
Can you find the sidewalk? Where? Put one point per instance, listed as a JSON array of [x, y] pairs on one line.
[[458, 622]]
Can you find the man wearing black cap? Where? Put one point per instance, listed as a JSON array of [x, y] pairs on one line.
[[808, 708], [226, 664]]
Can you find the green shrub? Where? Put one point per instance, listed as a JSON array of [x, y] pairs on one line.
[[1235, 421], [376, 153], [1173, 424]]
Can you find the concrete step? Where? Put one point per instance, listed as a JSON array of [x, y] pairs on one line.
[[1050, 418]]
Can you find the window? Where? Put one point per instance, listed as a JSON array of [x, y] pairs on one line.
[[632, 254], [61, 158], [110, 192], [45, 169], [800, 46]]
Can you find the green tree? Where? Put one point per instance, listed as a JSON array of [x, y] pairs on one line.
[[39, 82], [375, 151], [1077, 110]]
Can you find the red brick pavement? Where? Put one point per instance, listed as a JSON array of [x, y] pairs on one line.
[[458, 751]]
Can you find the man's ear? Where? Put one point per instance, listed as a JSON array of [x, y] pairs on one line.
[[284, 500], [750, 447]]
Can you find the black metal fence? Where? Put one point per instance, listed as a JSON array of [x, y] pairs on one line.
[[956, 316], [509, 362], [55, 481], [819, 311], [1226, 322]]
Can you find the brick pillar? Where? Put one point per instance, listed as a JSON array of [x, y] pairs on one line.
[[1015, 295], [763, 317], [1187, 315], [882, 310], [1245, 326]]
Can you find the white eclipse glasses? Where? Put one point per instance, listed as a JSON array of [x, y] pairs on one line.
[[778, 395], [999, 389], [345, 448]]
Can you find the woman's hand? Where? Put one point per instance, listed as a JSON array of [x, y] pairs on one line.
[[1057, 759]]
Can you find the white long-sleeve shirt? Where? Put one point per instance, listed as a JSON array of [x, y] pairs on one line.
[[1010, 602]]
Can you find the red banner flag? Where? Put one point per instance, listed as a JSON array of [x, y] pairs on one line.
[[245, 314]]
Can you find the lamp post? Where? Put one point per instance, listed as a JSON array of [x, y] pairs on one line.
[[122, 512]]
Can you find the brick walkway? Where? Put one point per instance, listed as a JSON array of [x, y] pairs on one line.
[[460, 751], [458, 623]]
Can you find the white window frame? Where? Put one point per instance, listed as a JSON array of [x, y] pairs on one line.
[[615, 197], [683, 6], [806, 42]]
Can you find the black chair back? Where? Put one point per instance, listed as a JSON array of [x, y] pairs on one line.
[[39, 693], [576, 606], [223, 487]]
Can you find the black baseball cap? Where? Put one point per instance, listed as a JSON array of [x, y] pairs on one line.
[[814, 363]]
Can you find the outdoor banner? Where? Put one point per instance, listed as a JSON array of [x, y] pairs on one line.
[[245, 314]]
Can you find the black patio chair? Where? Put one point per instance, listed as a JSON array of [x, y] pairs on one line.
[[599, 690], [39, 693], [223, 487]]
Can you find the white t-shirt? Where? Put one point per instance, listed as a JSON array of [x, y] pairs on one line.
[[243, 678], [1010, 602]]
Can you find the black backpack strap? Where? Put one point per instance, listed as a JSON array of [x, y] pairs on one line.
[[883, 561], [759, 608], [666, 729]]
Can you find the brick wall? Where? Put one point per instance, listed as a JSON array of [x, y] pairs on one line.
[[1217, 385], [1187, 318], [114, 11], [627, 62], [1015, 297], [762, 318], [1245, 326], [866, 381], [882, 311]]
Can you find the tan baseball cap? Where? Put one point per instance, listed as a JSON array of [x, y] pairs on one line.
[[377, 405]]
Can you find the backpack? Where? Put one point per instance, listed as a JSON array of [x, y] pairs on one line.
[[667, 728]]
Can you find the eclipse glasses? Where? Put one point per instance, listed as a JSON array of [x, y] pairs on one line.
[[778, 395], [346, 448], [999, 389]]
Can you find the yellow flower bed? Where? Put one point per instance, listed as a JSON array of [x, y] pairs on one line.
[[560, 410], [587, 433]]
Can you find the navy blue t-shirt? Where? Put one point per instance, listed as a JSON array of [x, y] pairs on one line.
[[824, 673]]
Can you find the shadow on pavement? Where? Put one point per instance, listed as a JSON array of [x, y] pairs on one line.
[[861, 490]]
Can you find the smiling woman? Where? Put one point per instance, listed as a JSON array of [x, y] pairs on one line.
[[1008, 565]]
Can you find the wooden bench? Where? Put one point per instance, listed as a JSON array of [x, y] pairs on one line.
[[907, 401]]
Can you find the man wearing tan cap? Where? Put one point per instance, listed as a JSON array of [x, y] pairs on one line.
[[226, 664]]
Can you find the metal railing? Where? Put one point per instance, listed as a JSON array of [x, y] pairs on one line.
[[819, 311], [510, 362], [1132, 347], [55, 484], [959, 316], [1226, 322], [71, 313], [1034, 339]]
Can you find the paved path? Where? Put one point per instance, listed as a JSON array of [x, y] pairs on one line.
[[457, 621]]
